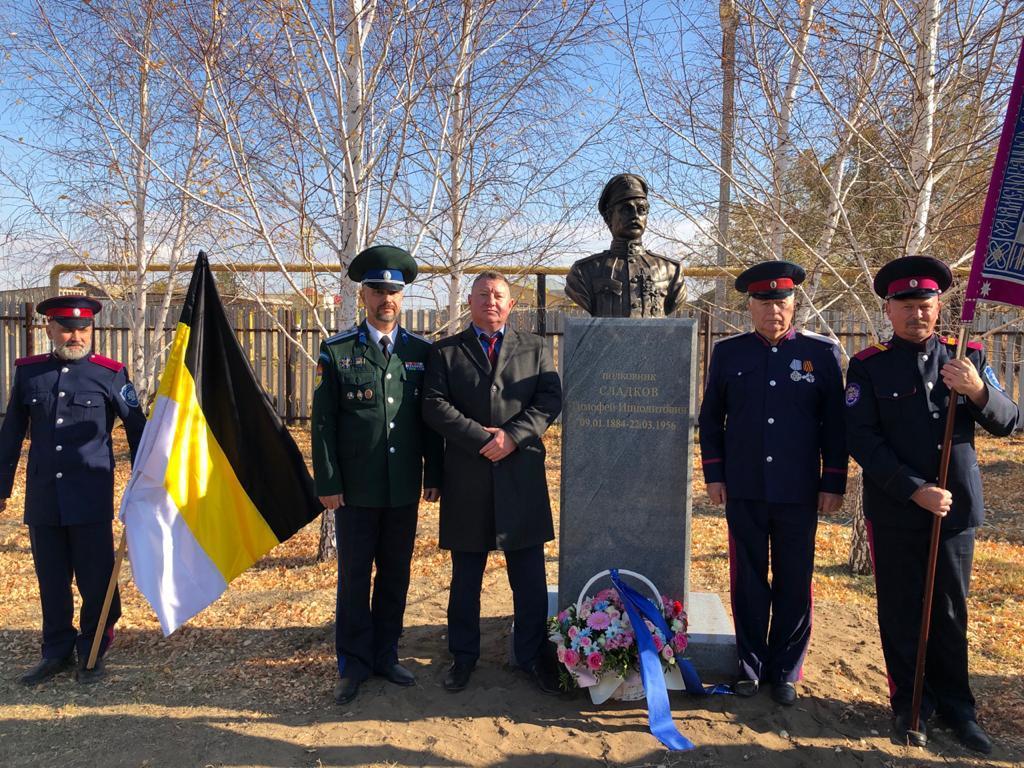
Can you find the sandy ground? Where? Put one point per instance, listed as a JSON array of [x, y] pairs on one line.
[[248, 683]]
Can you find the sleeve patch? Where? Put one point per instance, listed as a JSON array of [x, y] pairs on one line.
[[990, 377], [319, 379], [129, 395], [852, 395]]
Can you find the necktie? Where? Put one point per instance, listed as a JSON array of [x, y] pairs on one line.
[[385, 342], [491, 344]]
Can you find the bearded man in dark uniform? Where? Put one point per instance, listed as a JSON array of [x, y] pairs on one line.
[[627, 280], [69, 399]]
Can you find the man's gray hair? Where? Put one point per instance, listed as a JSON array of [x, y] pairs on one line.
[[491, 274]]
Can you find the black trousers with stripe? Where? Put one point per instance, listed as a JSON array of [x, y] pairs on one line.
[[85, 554], [773, 618], [367, 628], [900, 557]]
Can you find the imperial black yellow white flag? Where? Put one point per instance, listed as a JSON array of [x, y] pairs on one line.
[[217, 481]]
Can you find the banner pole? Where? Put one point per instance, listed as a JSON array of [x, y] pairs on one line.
[[101, 626], [933, 550]]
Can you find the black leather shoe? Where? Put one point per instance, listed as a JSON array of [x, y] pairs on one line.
[[46, 669], [973, 737], [746, 688], [545, 680], [784, 694], [346, 690], [902, 735], [458, 676], [90, 676], [397, 674]]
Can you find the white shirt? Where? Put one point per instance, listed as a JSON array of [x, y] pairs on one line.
[[377, 335]]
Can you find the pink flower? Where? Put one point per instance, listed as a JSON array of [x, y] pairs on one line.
[[667, 653], [606, 594], [598, 620], [585, 642], [571, 658], [658, 643], [573, 631], [595, 660], [680, 641], [561, 653]]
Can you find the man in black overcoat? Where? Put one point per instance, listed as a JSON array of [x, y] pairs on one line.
[[491, 392]]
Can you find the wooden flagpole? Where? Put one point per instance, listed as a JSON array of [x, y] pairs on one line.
[[933, 551], [101, 626]]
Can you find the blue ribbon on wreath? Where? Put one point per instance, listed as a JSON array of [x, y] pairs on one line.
[[659, 713]]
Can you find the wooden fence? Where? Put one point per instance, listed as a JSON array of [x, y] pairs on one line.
[[282, 347]]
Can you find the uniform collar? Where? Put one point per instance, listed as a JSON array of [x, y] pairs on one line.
[[376, 336], [915, 346], [625, 248], [787, 336]]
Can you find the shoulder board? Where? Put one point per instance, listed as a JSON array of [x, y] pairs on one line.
[[951, 341], [819, 337], [732, 338], [106, 362], [341, 336], [871, 351], [412, 335], [663, 257], [31, 360]]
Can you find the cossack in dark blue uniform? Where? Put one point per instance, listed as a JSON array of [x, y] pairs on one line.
[[771, 422], [68, 407], [771, 430], [896, 412], [896, 418]]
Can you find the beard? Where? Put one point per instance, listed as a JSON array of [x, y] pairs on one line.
[[66, 352]]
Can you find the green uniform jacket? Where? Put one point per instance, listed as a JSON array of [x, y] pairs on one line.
[[369, 440]]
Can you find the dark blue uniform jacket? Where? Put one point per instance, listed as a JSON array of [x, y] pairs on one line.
[[896, 416], [771, 422], [70, 407]]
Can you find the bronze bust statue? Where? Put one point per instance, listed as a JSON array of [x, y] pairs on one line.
[[626, 280]]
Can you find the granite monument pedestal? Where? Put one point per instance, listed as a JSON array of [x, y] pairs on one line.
[[627, 459]]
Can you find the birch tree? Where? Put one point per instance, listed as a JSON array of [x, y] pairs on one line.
[[104, 157]]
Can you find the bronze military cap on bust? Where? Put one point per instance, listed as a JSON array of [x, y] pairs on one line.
[[626, 280]]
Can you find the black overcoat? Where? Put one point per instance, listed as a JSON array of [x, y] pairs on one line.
[[501, 505]]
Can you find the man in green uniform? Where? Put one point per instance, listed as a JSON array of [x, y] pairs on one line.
[[371, 456]]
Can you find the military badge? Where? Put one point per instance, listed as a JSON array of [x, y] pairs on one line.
[[358, 362], [345, 362], [808, 366], [414, 366], [359, 394], [990, 377], [319, 378], [350, 396], [795, 367], [852, 395], [130, 396], [368, 394]]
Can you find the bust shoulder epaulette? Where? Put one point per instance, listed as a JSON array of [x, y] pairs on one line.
[[871, 351], [950, 341], [342, 336], [31, 359], [591, 257], [106, 362]]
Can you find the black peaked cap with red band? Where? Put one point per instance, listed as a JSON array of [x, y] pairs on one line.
[[70, 311], [912, 277], [770, 279]]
